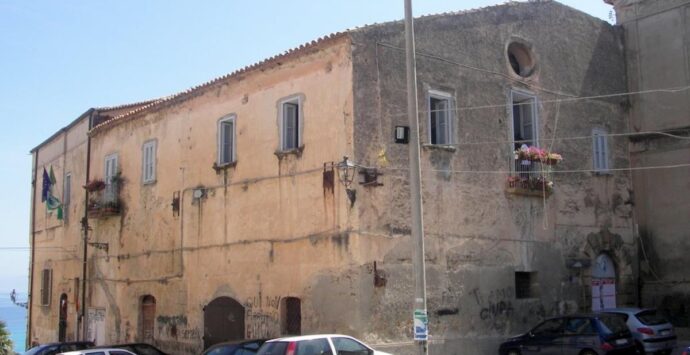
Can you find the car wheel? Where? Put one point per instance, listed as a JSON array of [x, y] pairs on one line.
[[513, 352]]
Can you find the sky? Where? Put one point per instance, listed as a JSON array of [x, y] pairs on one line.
[[60, 58]]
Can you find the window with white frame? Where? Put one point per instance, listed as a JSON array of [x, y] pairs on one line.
[[600, 150], [440, 106], [46, 286], [111, 171], [524, 110], [226, 140], [148, 162], [290, 124], [66, 196]]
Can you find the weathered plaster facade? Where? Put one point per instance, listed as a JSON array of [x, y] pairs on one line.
[[275, 227], [657, 42]]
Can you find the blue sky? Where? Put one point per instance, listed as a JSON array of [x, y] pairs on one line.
[[59, 58]]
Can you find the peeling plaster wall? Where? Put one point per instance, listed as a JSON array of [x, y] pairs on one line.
[[657, 42], [478, 235], [260, 231], [58, 243]]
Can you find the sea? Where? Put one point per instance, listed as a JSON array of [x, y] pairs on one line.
[[14, 318]]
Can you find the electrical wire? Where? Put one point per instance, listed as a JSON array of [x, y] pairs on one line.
[[571, 171]]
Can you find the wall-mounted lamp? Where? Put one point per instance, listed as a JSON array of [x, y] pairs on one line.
[[347, 170]]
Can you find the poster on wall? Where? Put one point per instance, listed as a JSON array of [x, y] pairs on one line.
[[603, 294], [96, 325]]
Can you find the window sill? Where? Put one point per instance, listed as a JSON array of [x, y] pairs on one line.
[[294, 151], [147, 183], [442, 147], [224, 166], [602, 173]]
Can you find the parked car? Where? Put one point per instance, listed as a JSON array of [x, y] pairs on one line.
[[652, 331], [137, 348], [324, 344], [100, 351], [686, 351], [239, 347], [585, 334], [56, 348]]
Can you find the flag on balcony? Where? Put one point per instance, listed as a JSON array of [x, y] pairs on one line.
[[46, 186], [52, 202]]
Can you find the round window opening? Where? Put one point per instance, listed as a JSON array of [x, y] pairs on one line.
[[521, 59]]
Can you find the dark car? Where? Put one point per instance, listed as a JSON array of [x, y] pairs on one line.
[[137, 348], [56, 348], [686, 351], [586, 334], [239, 347]]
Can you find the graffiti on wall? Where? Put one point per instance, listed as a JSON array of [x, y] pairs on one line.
[[495, 306], [176, 327], [262, 316]]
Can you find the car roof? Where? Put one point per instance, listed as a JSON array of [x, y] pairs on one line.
[[630, 310], [309, 337], [79, 352]]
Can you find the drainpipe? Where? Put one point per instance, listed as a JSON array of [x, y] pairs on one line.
[[85, 228], [27, 341]]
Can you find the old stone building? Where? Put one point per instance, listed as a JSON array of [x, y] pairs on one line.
[[657, 47], [223, 212]]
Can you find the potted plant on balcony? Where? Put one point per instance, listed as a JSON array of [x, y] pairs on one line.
[[94, 185]]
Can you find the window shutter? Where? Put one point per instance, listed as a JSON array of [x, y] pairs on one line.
[[46, 284], [290, 128]]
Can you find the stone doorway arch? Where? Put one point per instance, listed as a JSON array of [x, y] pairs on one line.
[[223, 321], [148, 318]]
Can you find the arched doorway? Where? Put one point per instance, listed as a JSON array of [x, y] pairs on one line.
[[223, 321], [62, 319], [603, 283], [148, 318]]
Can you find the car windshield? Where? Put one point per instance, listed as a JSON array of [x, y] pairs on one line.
[[651, 317], [222, 350], [35, 350], [612, 324], [273, 348]]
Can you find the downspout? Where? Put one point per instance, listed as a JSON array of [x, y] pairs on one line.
[[27, 341], [85, 228]]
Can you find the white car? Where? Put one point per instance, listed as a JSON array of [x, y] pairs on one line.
[[322, 344], [103, 351]]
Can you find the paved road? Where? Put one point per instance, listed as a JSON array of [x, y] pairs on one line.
[[682, 344]]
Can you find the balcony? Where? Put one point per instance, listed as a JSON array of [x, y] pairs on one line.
[[531, 172], [103, 198]]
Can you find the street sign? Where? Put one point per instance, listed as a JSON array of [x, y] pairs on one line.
[[421, 321]]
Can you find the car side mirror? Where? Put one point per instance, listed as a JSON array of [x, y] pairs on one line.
[[531, 334]]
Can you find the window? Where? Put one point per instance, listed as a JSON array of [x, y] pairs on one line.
[[148, 166], [549, 327], [600, 150], [526, 285], [110, 173], [226, 140], [313, 347], [148, 318], [524, 119], [347, 346], [46, 286], [579, 326], [66, 196], [440, 117], [290, 124]]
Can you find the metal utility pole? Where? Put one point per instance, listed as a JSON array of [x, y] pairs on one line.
[[420, 316]]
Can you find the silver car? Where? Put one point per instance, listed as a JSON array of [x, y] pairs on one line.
[[652, 332]]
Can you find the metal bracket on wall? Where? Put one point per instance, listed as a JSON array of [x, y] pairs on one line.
[[176, 204], [369, 177]]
